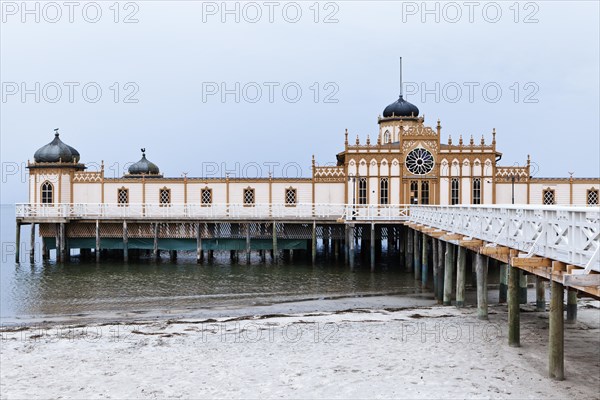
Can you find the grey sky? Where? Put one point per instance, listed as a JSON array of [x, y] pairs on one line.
[[170, 52]]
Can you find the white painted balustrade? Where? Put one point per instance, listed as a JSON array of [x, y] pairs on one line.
[[567, 234], [331, 212]]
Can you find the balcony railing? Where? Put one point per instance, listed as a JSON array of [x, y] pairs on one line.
[[567, 234], [231, 211]]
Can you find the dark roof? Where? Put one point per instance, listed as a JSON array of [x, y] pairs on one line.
[[144, 167], [401, 108], [56, 151]]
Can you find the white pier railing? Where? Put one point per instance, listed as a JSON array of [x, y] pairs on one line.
[[331, 212], [567, 234]]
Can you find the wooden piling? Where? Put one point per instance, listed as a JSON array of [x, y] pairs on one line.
[[247, 243], [57, 243], [198, 244], [441, 271], [336, 249], [514, 312], [461, 276], [482, 272], [18, 242], [125, 243], [63, 253], [351, 249], [275, 254], [435, 266], [155, 253], [503, 289], [97, 248], [372, 245], [522, 288], [424, 259], [45, 251], [410, 247], [556, 333], [448, 272], [402, 246], [314, 243], [417, 255], [32, 244], [571, 306], [540, 294]]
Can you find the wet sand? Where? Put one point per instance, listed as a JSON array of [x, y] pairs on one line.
[[372, 347]]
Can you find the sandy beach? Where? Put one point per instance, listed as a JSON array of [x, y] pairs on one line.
[[373, 349]]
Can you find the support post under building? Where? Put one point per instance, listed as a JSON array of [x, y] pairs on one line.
[[416, 255], [514, 312], [97, 249], [351, 246], [461, 276], [372, 252], [125, 242], [410, 247], [441, 271], [556, 333], [314, 243], [32, 244], [275, 251], [18, 242], [503, 289], [571, 306], [424, 260], [540, 294], [448, 272], [198, 243], [482, 292], [435, 266]]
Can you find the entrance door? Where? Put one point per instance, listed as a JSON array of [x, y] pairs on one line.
[[420, 191]]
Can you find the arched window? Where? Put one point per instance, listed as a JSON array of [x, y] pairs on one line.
[[425, 192], [164, 197], [454, 191], [384, 189], [386, 137], [362, 191], [47, 193], [476, 190]]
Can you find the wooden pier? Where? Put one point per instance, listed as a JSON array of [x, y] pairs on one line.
[[559, 245]]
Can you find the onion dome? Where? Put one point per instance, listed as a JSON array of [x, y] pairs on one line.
[[144, 167], [56, 151], [401, 108]]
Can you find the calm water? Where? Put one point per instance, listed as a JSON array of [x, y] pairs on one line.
[[51, 289]]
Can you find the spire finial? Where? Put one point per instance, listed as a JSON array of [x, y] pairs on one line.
[[56, 132], [143, 151], [400, 77], [346, 134], [460, 141], [357, 140], [449, 139]]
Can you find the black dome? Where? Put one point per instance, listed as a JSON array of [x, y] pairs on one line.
[[56, 151], [144, 167], [401, 108]]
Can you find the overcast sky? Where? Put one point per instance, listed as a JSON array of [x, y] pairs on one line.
[[161, 68]]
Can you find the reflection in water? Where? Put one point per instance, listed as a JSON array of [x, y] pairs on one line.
[[86, 287]]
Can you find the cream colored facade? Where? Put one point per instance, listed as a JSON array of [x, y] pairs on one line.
[[380, 172]]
